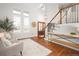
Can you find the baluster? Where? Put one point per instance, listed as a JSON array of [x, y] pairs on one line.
[[75, 13], [78, 13], [66, 16], [72, 15]]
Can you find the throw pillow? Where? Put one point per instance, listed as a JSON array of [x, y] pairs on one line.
[[7, 36], [6, 42]]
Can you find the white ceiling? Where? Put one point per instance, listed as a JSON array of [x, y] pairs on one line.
[[33, 6], [28, 5]]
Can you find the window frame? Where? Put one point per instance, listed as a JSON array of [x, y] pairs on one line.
[[22, 21]]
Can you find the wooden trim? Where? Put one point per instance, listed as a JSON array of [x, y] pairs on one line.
[[65, 43], [42, 31], [66, 35]]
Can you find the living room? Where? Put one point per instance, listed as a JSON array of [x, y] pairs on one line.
[[19, 23], [23, 15]]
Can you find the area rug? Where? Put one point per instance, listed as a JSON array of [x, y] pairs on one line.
[[32, 48]]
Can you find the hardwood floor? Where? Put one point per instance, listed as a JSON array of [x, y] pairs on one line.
[[57, 50]]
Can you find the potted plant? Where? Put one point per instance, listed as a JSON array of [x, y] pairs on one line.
[[7, 27]]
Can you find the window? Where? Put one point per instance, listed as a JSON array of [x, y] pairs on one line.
[[21, 20], [25, 14], [16, 12], [17, 20], [26, 20]]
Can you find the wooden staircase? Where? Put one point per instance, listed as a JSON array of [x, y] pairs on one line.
[[43, 27]]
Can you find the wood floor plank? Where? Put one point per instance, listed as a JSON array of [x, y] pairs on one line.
[[57, 50]]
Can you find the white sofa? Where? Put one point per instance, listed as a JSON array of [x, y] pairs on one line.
[[14, 50]]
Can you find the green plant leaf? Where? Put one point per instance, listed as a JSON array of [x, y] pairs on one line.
[[6, 24]]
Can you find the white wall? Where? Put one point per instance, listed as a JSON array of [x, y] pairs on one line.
[[52, 9], [34, 11]]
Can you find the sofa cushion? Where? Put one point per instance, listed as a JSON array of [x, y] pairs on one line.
[[8, 36], [5, 42]]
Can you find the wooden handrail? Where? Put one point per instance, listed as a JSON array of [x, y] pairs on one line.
[[52, 19], [70, 6], [58, 13]]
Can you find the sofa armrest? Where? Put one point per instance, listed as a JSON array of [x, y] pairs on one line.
[[13, 50]]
